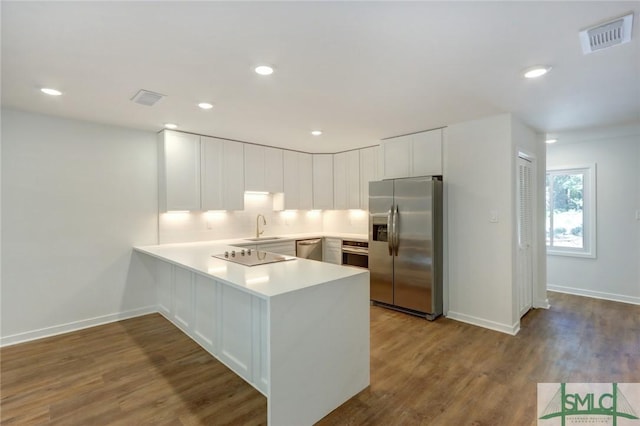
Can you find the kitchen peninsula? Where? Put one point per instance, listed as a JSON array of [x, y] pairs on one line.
[[296, 330]]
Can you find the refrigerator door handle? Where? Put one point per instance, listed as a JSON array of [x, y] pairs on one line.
[[390, 231], [396, 234]]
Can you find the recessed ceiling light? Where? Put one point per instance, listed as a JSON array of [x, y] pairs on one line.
[[170, 125], [316, 132], [205, 105], [264, 70], [536, 72], [550, 141], [52, 92]]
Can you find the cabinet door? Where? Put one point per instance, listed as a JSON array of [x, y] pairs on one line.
[[183, 290], [368, 173], [212, 172], [291, 181], [273, 179], [323, 181], [233, 175], [353, 179], [340, 199], [204, 319], [332, 251], [164, 287], [426, 153], [305, 181], [179, 171], [395, 156], [254, 168], [234, 316], [222, 168]]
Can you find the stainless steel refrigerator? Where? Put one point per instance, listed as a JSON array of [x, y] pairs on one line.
[[405, 245]]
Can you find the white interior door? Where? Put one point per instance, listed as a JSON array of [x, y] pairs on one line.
[[525, 211]]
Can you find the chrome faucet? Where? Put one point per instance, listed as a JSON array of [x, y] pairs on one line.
[[264, 222]]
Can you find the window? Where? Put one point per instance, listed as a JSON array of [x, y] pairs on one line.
[[570, 217]]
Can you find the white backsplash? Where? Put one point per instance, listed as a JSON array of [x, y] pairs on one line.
[[345, 221], [204, 226]]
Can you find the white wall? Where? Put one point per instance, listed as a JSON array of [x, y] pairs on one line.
[[615, 273], [76, 197], [346, 221], [479, 171]]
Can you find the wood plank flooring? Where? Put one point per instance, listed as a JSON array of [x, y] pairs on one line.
[[145, 371]]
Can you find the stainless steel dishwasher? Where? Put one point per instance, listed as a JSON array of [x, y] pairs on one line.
[[309, 249]]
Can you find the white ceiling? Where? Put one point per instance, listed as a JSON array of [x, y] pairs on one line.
[[360, 71]]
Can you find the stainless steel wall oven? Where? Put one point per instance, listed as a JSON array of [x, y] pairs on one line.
[[355, 253]]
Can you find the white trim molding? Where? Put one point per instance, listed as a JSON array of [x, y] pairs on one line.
[[485, 323], [595, 294], [27, 336]]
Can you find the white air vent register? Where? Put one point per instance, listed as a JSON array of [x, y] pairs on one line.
[[145, 97], [607, 35]]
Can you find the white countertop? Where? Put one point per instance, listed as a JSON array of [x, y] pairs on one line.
[[263, 280]]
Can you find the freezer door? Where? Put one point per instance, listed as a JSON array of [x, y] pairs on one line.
[[380, 259], [414, 263]]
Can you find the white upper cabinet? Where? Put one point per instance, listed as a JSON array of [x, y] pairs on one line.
[[368, 173], [263, 168], [222, 174], [305, 175], [419, 154], [323, 181], [395, 157], [298, 181], [346, 180], [179, 171], [426, 155], [273, 171]]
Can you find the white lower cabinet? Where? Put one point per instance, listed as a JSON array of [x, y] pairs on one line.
[[204, 320], [234, 310], [164, 287], [182, 300], [332, 251], [228, 323]]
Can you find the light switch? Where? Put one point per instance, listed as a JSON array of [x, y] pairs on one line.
[[637, 214], [493, 216]]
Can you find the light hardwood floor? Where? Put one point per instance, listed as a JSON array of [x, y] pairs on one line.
[[145, 371]]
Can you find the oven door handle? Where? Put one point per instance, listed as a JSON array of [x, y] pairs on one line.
[[351, 250]]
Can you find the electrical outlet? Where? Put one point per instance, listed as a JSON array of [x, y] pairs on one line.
[[493, 216]]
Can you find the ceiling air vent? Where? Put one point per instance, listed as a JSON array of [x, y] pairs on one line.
[[607, 35], [145, 97]]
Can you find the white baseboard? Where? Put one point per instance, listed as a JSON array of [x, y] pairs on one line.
[[542, 304], [481, 322], [595, 294], [74, 326]]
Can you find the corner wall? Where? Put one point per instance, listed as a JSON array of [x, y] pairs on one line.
[[76, 196], [615, 273], [478, 169]]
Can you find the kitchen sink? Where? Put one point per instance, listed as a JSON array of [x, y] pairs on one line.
[[262, 239]]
